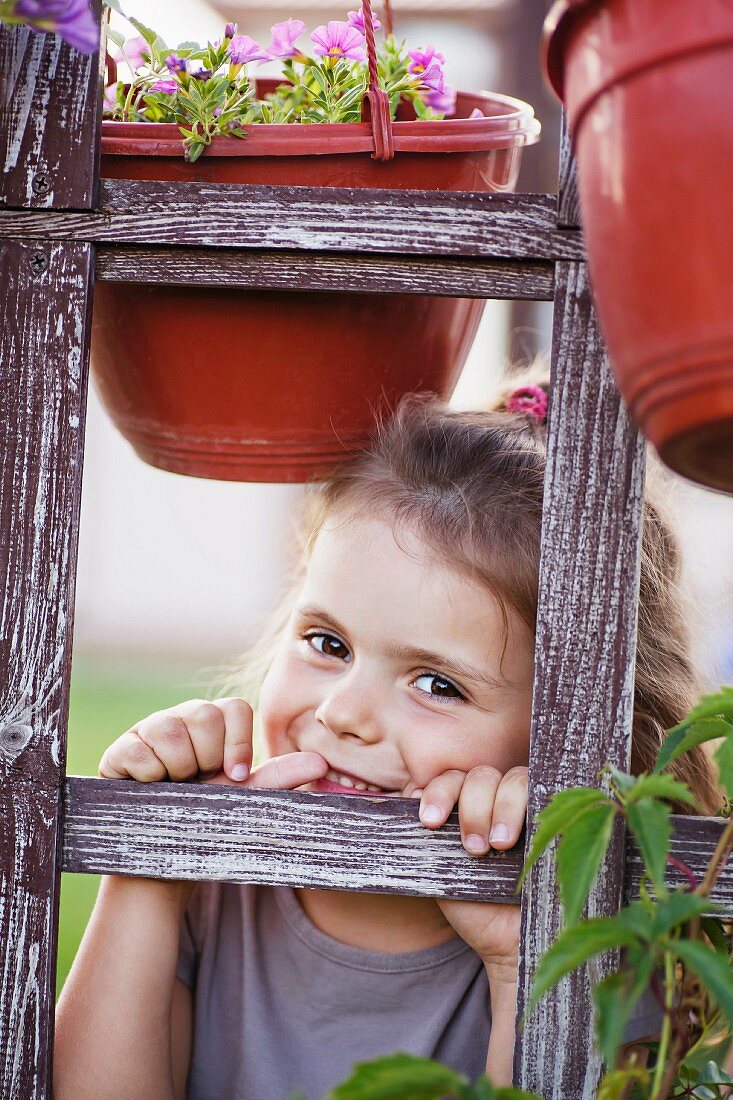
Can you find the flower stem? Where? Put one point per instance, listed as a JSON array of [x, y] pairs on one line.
[[666, 1025]]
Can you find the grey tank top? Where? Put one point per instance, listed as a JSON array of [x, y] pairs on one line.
[[279, 1006]]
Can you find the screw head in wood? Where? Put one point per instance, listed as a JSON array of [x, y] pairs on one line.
[[41, 184], [38, 263]]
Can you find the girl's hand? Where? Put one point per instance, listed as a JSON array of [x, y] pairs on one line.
[[204, 742], [491, 809]]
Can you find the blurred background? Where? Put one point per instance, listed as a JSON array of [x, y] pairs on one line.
[[176, 574]]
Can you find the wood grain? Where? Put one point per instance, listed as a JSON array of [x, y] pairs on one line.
[[465, 278], [584, 655], [568, 201], [44, 318], [330, 219], [185, 830], [51, 97]]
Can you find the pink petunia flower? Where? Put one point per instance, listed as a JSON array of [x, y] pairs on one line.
[[337, 40], [243, 49], [133, 49], [167, 87], [110, 96], [284, 37], [421, 60], [356, 20]]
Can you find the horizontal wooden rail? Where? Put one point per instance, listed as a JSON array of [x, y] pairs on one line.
[[466, 278], [221, 833], [230, 216]]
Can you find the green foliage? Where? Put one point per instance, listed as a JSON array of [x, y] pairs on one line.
[[408, 1077], [224, 103], [666, 938]]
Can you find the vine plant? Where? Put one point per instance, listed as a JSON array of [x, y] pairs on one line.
[[670, 939]]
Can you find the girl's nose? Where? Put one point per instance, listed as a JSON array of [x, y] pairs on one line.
[[349, 713]]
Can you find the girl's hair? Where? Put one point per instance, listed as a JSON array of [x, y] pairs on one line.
[[471, 485]]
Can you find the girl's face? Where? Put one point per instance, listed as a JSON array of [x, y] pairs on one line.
[[389, 667]]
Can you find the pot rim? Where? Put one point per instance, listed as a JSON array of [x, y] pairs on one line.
[[512, 125], [554, 32]]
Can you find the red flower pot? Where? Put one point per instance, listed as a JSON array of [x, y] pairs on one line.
[[283, 382], [648, 87]]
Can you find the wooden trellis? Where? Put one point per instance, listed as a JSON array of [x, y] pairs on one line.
[[60, 228]]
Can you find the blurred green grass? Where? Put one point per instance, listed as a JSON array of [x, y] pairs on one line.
[[108, 695]]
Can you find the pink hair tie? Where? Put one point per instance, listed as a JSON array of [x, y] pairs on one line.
[[529, 400]]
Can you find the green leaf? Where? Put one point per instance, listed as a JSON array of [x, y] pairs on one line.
[[661, 786], [621, 780], [615, 1085], [705, 722], [564, 808], [714, 972], [151, 37], [649, 822], [115, 6], [676, 909], [575, 946], [616, 997], [399, 1076], [713, 929], [724, 760], [579, 857], [116, 37]]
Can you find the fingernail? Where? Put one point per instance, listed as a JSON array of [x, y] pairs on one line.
[[432, 814], [417, 793], [240, 771], [499, 832], [475, 843]]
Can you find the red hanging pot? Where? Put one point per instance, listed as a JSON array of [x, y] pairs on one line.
[[284, 382], [648, 88]]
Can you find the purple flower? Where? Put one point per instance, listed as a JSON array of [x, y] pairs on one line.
[[442, 100], [356, 20], [135, 52], [284, 37], [242, 49], [230, 30], [72, 19], [421, 60], [175, 64], [167, 87], [338, 40], [202, 74]]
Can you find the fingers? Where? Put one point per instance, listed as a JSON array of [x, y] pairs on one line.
[[238, 719], [439, 797], [288, 772], [491, 807], [196, 738]]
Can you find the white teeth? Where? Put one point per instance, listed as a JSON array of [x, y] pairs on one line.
[[346, 781]]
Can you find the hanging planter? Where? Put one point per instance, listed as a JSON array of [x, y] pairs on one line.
[[648, 88], [291, 379]]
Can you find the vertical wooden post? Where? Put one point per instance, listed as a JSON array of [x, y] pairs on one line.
[[586, 644], [50, 97]]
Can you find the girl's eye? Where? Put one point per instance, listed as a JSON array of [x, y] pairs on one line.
[[329, 645], [437, 686]]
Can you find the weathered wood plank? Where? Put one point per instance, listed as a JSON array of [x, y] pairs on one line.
[[44, 320], [585, 649], [568, 202], [184, 830], [225, 216], [50, 118], [292, 271]]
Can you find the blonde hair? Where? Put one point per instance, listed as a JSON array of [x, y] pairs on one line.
[[471, 485]]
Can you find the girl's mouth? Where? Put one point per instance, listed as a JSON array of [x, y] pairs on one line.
[[338, 783]]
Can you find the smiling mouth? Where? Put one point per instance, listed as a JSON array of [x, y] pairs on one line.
[[340, 783]]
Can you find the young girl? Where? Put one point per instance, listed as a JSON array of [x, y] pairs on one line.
[[402, 666]]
